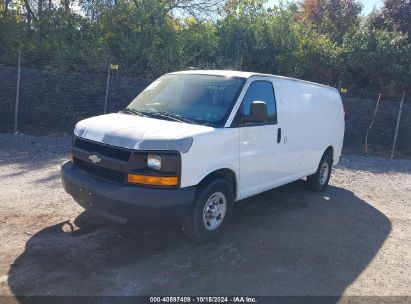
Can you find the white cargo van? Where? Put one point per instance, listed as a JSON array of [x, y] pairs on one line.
[[194, 142]]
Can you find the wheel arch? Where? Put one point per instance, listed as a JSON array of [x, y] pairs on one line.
[[329, 151], [225, 173]]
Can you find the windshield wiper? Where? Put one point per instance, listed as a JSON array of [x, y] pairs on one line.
[[163, 114], [172, 116], [133, 111]]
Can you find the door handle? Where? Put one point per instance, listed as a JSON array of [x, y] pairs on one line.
[[278, 135]]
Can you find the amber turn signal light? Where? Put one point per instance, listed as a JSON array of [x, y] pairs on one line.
[[152, 180]]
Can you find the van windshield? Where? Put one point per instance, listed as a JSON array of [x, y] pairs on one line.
[[192, 98]]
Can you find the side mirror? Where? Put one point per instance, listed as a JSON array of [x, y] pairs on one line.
[[258, 113]]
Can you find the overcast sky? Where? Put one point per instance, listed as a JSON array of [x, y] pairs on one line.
[[367, 5]]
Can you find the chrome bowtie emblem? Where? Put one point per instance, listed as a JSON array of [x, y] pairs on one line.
[[94, 158]]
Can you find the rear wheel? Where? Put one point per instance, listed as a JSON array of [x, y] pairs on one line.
[[318, 182], [212, 210]]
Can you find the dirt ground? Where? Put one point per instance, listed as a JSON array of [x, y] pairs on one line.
[[354, 239]]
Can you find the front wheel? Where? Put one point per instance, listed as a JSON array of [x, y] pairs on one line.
[[318, 182], [212, 210]]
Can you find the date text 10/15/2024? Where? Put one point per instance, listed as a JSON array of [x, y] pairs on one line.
[[207, 299]]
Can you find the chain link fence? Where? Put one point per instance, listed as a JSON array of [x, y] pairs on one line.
[[381, 127], [51, 101]]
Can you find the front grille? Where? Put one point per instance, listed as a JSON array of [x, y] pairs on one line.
[[102, 149], [101, 172]]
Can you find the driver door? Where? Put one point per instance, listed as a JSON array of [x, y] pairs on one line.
[[261, 154]]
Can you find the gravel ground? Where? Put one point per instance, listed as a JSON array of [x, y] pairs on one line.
[[354, 239]]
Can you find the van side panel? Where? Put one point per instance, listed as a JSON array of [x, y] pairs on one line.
[[312, 119], [333, 113]]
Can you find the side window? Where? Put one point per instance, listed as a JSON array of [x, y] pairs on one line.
[[262, 91]]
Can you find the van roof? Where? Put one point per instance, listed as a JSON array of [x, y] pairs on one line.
[[232, 73]]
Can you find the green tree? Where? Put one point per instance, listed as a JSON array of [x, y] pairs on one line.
[[331, 17], [377, 60], [394, 15]]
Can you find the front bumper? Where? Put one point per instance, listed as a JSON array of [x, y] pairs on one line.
[[136, 203]]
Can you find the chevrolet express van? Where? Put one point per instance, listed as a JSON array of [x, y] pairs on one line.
[[195, 142]]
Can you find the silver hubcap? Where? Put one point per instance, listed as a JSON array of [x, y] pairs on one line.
[[324, 173], [214, 211]]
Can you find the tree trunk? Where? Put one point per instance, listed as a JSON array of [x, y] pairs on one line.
[[66, 4], [40, 8], [6, 7], [29, 12]]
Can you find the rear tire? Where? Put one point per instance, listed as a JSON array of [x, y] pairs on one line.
[[212, 210], [318, 182]]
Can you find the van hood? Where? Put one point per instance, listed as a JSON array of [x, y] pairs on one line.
[[136, 132]]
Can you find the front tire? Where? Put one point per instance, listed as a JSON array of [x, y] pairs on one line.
[[212, 210], [318, 182]]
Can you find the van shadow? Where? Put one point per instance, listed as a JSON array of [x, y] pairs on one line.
[[287, 241]]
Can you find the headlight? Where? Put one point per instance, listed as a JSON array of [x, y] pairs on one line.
[[154, 161]]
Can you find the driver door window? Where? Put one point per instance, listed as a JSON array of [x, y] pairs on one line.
[[261, 90]]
